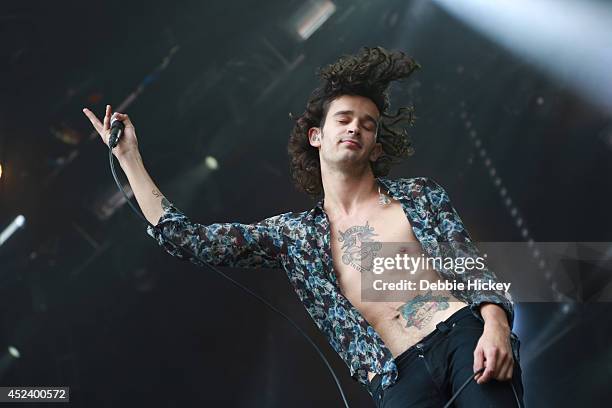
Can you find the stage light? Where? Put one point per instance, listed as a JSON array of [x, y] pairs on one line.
[[14, 352], [311, 16], [569, 40], [211, 163], [17, 223], [20, 221]]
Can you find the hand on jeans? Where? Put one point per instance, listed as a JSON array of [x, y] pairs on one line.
[[494, 352]]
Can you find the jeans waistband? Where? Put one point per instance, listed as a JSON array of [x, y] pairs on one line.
[[441, 328]]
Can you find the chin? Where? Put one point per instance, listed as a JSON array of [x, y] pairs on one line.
[[352, 160]]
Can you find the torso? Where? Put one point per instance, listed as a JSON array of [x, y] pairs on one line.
[[390, 225]]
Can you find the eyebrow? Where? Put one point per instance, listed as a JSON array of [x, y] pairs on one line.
[[350, 112]]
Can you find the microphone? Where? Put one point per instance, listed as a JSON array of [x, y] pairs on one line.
[[117, 127]]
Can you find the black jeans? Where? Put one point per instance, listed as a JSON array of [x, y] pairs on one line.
[[431, 371]]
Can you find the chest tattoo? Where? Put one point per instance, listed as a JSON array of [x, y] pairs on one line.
[[353, 253]]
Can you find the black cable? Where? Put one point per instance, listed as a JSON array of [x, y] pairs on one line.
[[473, 377], [236, 283]]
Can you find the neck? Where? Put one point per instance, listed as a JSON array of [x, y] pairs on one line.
[[347, 193]]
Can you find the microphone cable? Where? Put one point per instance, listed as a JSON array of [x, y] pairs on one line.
[[473, 377]]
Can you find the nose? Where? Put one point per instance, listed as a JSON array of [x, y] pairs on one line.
[[352, 128]]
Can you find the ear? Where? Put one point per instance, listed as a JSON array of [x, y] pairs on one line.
[[314, 136], [376, 152]]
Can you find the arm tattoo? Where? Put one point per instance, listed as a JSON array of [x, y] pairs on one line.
[[353, 254], [419, 310], [165, 204]]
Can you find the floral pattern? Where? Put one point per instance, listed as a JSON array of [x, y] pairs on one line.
[[299, 243]]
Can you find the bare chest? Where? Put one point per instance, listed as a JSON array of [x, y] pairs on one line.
[[387, 226], [356, 242]]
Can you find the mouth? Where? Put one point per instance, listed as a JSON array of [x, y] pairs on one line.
[[350, 142]]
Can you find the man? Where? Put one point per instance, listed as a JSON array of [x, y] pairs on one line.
[[413, 353]]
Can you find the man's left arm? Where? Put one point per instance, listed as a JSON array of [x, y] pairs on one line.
[[494, 307]]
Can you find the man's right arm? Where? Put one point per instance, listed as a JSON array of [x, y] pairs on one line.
[[222, 244], [227, 244], [147, 194], [151, 201]]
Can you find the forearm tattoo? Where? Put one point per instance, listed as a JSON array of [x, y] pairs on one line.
[[419, 310], [352, 252], [165, 204]]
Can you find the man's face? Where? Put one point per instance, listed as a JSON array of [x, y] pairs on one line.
[[348, 138]]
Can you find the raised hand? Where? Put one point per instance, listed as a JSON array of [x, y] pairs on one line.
[[128, 143]]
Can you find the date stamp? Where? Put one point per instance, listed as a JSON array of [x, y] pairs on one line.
[[34, 394]]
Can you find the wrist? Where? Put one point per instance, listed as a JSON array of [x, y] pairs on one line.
[[494, 316], [129, 158], [496, 325]]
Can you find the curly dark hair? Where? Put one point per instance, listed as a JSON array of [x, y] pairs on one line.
[[368, 74]]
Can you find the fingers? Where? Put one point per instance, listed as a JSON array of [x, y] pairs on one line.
[[491, 358], [103, 128], [124, 118], [506, 373], [107, 118], [478, 359], [498, 365], [505, 364], [94, 121]]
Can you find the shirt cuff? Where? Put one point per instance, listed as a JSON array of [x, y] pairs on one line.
[[500, 301]]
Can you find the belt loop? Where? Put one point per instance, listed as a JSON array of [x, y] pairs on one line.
[[443, 327]]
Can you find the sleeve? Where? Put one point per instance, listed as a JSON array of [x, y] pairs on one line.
[[455, 234], [226, 244]]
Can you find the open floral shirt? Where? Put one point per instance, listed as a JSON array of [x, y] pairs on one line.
[[299, 243]]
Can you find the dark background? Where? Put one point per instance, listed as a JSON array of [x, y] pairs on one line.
[[96, 305]]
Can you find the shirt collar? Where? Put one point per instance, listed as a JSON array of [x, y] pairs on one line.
[[383, 182]]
